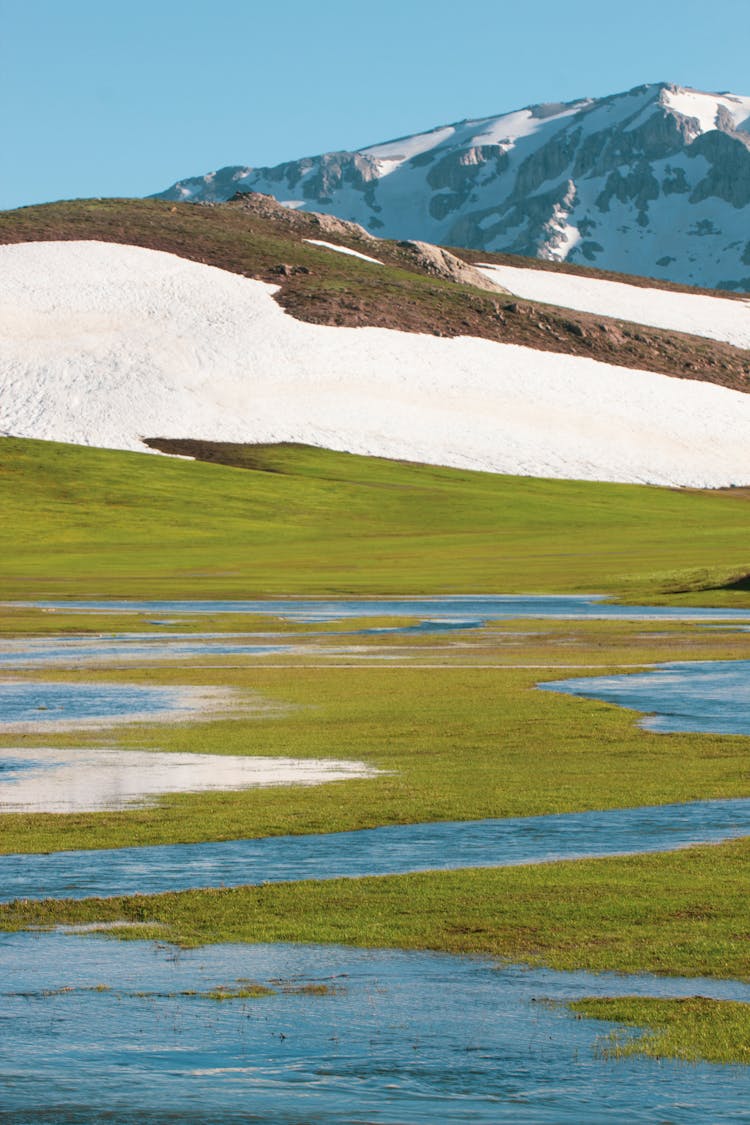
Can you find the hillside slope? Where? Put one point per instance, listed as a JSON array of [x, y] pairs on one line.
[[109, 344], [391, 349], [654, 181], [293, 520], [296, 252]]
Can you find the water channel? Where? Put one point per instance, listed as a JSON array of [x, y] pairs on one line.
[[99, 1030], [467, 609], [134, 1032], [396, 850], [711, 696]]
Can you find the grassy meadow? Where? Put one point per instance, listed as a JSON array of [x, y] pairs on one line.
[[693, 1029], [92, 523], [454, 721]]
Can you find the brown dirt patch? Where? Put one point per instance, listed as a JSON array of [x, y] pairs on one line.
[[266, 241]]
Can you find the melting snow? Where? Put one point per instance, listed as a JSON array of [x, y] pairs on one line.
[[342, 250], [718, 318], [105, 344]]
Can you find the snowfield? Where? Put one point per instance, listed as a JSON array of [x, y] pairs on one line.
[[718, 318], [105, 344]]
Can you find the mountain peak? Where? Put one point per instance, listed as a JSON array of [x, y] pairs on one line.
[[654, 180]]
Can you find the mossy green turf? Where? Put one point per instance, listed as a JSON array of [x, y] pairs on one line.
[[693, 1029], [457, 742], [680, 913], [92, 523], [465, 737]]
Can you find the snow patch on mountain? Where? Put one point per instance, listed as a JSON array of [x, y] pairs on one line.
[[705, 107], [714, 317], [107, 344], [342, 250]]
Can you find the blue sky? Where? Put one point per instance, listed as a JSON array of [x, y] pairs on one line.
[[103, 98]]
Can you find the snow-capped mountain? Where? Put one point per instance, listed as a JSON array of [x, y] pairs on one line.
[[655, 181]]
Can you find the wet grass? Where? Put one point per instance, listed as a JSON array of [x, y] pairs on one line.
[[91, 523], [239, 990], [455, 741], [692, 1029], [678, 913]]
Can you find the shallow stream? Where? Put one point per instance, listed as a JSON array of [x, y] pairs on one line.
[[375, 851], [711, 696], [108, 1031], [469, 609], [102, 1030]]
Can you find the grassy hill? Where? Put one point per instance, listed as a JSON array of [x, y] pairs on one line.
[[285, 519], [266, 241]]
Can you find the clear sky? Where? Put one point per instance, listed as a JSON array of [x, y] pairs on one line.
[[106, 98]]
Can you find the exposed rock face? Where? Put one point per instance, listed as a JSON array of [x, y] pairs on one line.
[[268, 208], [440, 263], [655, 181], [427, 258]]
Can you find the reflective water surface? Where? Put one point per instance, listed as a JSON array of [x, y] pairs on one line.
[[376, 851], [128, 646], [96, 779], [99, 1030], [712, 696], [95, 1030], [29, 704], [468, 608]]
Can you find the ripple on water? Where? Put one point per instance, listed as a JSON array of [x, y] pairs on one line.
[[711, 696], [375, 851], [107, 1028]]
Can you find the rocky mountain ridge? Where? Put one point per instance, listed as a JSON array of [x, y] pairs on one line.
[[655, 182]]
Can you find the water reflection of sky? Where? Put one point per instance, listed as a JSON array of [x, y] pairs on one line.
[[401, 1037], [397, 1037], [35, 702], [464, 607], [707, 696], [87, 650], [396, 849], [101, 779]]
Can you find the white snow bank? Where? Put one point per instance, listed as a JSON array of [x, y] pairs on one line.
[[103, 344], [342, 250], [406, 148], [98, 779], [718, 318], [705, 107]]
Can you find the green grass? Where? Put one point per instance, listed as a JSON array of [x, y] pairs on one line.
[[92, 523], [692, 1029], [455, 741], [678, 913]]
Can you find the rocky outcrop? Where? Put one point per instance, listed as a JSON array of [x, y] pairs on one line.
[[257, 203], [438, 262]]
